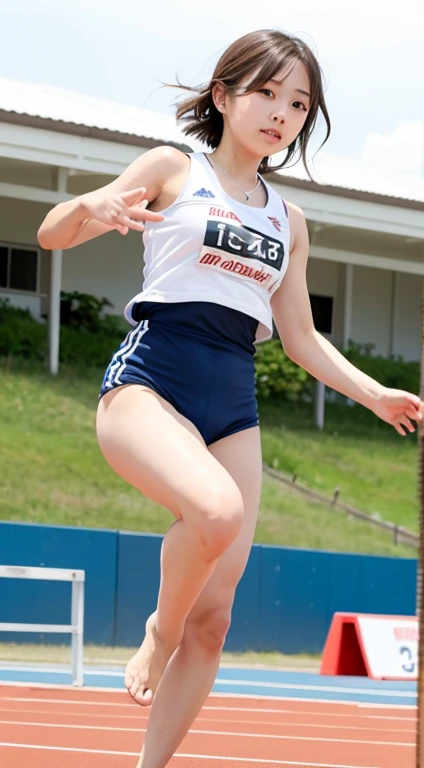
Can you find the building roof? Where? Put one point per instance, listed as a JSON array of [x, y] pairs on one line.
[[49, 102], [349, 174], [57, 106]]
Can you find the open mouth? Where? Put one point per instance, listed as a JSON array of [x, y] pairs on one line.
[[271, 132]]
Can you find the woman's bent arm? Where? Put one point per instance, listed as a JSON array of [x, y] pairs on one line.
[[305, 346], [113, 206]]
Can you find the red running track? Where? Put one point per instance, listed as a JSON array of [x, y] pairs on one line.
[[86, 728]]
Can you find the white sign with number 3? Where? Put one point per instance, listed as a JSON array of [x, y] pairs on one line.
[[390, 645]]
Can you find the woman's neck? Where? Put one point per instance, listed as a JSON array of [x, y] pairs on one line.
[[239, 163]]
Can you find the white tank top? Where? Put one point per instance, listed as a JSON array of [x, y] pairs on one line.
[[209, 247]]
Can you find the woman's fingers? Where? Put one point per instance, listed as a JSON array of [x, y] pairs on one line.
[[402, 421], [131, 210], [399, 430], [133, 217], [408, 424], [133, 196], [413, 414], [122, 230], [140, 213], [128, 223], [153, 216]]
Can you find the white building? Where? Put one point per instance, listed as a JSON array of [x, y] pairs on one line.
[[366, 226]]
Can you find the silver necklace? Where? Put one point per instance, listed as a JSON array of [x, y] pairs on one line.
[[246, 194]]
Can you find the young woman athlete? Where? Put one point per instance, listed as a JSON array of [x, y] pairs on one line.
[[177, 416]]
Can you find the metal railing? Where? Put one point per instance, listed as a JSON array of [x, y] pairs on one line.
[[75, 628], [400, 535]]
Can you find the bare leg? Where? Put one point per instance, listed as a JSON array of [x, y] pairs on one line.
[[159, 452], [191, 672]]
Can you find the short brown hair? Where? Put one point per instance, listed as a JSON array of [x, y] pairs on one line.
[[255, 58]]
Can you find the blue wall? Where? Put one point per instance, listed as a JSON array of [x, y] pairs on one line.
[[285, 600], [137, 585], [21, 600]]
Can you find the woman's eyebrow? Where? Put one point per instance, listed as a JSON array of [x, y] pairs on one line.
[[298, 90]]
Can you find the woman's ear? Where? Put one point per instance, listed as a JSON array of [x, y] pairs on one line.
[[219, 97]]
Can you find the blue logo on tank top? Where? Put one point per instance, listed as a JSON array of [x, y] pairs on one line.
[[203, 193]]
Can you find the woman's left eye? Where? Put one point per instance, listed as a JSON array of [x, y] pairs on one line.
[[298, 104]]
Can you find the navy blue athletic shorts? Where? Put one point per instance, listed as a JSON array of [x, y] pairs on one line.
[[196, 355]]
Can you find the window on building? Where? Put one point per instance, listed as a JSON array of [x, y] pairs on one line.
[[3, 266], [18, 268], [322, 312]]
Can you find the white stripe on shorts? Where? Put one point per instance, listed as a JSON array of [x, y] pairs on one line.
[[119, 360]]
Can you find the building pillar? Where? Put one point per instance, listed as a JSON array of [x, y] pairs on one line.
[[393, 313], [348, 298], [55, 289]]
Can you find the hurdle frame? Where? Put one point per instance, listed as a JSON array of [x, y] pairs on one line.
[[75, 628]]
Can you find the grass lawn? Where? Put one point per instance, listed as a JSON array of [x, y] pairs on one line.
[[61, 654], [54, 473]]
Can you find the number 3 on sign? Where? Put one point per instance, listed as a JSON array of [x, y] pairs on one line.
[[409, 659]]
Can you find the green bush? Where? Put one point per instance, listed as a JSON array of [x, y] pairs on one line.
[[83, 310], [22, 336], [392, 371], [278, 376], [80, 347], [88, 339]]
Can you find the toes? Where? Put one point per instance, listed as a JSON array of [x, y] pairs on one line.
[[144, 697], [135, 686], [137, 689], [128, 680]]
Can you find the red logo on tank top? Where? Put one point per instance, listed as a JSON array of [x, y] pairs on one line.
[[223, 214], [232, 265], [275, 222]]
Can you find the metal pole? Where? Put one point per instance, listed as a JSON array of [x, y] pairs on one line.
[[319, 404], [348, 297], [55, 287], [77, 642], [54, 310]]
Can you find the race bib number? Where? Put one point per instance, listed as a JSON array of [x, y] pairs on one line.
[[242, 252]]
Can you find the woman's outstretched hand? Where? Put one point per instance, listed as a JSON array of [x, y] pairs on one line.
[[122, 211], [399, 409]]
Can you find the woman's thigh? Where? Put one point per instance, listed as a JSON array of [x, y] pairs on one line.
[[157, 450]]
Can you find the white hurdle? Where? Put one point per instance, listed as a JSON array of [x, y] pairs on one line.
[[75, 628]]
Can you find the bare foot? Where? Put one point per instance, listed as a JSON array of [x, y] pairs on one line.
[[144, 670]]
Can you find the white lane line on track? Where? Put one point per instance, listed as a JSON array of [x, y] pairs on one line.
[[212, 695], [321, 714], [144, 718], [232, 734], [321, 688], [412, 718], [301, 699], [121, 705], [259, 761]]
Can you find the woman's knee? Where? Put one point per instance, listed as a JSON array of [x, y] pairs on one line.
[[208, 630], [217, 518]]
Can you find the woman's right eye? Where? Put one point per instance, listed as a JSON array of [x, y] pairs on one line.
[[266, 91]]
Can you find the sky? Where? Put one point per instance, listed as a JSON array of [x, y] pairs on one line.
[[370, 52]]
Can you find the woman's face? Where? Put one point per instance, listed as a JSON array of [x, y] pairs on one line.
[[268, 120]]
